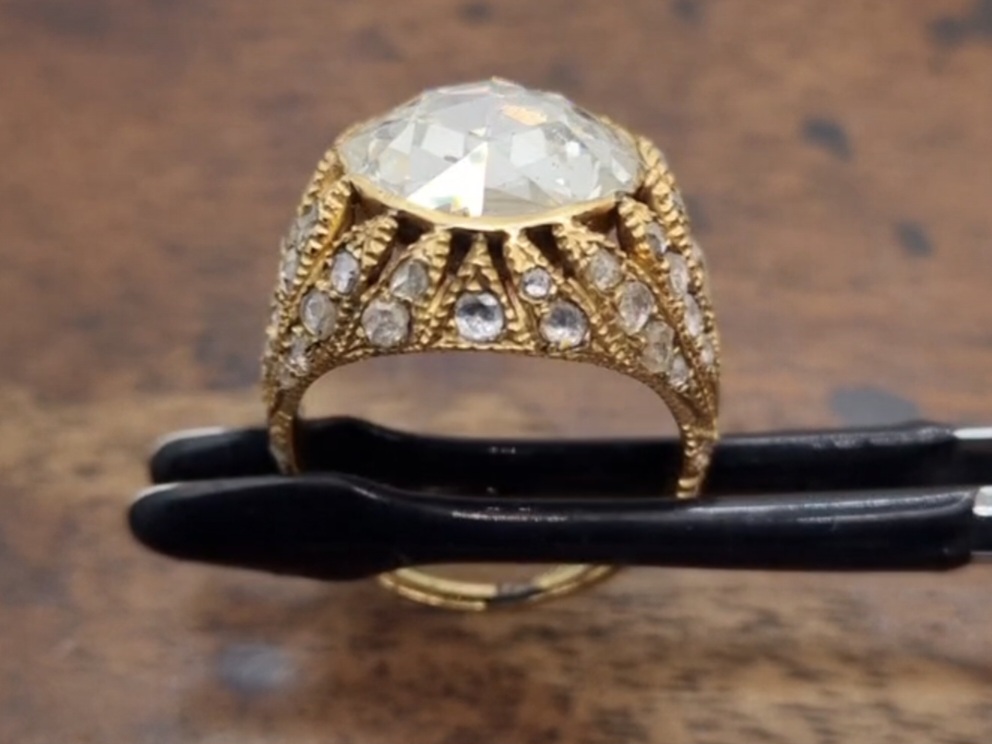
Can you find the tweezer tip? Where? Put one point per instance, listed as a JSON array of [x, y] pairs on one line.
[[191, 433], [973, 432], [983, 502]]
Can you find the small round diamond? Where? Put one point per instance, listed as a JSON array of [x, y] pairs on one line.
[[296, 241], [344, 272], [697, 254], [708, 353], [290, 265], [410, 281], [479, 316], [635, 306], [660, 339], [296, 361], [693, 316], [536, 283], [564, 326], [678, 371], [386, 323], [302, 228], [318, 313], [657, 240], [678, 273], [604, 270]]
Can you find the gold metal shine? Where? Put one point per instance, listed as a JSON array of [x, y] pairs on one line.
[[383, 232]]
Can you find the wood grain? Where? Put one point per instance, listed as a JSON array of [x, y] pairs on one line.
[[836, 161]]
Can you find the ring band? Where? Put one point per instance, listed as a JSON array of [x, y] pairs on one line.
[[492, 217]]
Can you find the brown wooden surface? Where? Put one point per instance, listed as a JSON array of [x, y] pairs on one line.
[[837, 159]]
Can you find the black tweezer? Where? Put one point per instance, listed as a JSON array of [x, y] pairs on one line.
[[907, 497]]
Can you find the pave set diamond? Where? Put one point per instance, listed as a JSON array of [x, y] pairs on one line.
[[497, 149], [661, 353]]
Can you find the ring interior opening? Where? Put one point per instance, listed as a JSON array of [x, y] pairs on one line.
[[492, 395]]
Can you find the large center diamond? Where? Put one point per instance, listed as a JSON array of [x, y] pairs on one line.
[[492, 148]]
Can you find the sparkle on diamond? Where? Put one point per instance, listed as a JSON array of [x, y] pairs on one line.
[[492, 148]]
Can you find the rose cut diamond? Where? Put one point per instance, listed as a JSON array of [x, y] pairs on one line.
[[536, 283], [659, 346], [479, 316], [604, 270], [657, 240], [635, 306], [295, 242], [678, 371], [694, 320], [386, 323], [492, 148], [410, 281], [345, 270], [297, 362], [565, 325], [318, 313], [678, 273]]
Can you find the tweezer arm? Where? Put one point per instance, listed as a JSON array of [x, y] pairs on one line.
[[913, 454], [332, 527]]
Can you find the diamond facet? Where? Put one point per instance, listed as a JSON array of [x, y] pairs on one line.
[[344, 272], [318, 313], [536, 283], [479, 316], [565, 325], [635, 306], [604, 270], [386, 323], [492, 148], [410, 281]]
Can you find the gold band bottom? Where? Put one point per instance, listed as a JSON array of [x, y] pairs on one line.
[[438, 591]]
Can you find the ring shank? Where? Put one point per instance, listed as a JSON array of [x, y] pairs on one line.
[[430, 589], [425, 587]]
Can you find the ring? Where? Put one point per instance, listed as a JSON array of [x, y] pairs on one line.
[[492, 217]]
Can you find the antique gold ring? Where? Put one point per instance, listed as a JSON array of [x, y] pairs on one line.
[[492, 217]]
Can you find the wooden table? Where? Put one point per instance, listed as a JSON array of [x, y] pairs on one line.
[[836, 158]]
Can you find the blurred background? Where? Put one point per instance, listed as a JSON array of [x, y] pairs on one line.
[[836, 158]]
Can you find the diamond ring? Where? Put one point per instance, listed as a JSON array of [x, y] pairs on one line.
[[492, 217]]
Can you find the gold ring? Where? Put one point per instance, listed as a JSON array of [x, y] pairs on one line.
[[492, 217]]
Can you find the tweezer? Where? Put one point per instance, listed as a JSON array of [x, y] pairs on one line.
[[909, 497]]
